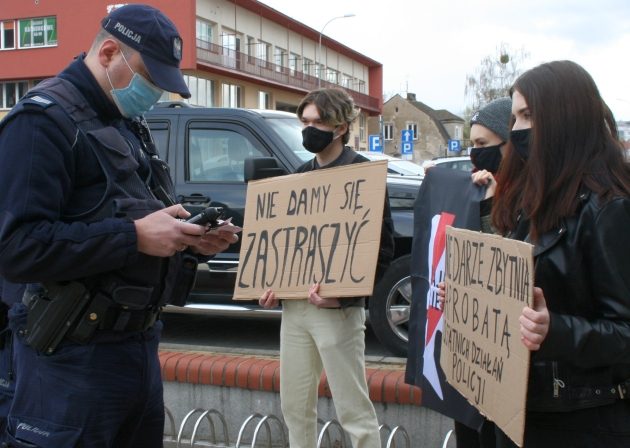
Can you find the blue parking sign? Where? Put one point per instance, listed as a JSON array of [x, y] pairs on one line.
[[406, 136], [454, 145], [374, 142]]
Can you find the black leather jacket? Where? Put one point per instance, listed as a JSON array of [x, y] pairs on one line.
[[583, 268]]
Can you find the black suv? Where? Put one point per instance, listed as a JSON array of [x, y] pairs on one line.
[[206, 149]]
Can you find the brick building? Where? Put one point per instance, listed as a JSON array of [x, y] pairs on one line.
[[237, 53]]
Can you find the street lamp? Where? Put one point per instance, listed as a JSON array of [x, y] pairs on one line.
[[319, 53]]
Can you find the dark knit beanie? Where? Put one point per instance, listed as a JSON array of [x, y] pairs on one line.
[[495, 116]]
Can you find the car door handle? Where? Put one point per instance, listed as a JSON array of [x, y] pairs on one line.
[[195, 198]]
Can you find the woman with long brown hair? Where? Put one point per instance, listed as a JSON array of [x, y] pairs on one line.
[[565, 187]]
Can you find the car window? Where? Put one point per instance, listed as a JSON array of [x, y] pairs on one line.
[[290, 130], [218, 155]]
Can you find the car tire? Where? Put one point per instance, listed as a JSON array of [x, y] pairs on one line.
[[390, 306]]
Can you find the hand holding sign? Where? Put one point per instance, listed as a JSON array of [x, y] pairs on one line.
[[535, 322]]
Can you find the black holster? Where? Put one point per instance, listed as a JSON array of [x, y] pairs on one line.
[[52, 314]]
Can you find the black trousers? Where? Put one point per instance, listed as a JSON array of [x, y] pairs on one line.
[[471, 438], [604, 426]]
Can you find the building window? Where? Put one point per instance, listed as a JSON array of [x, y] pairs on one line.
[[264, 100], [346, 81], [319, 70], [294, 63], [413, 127], [263, 51], [388, 131], [458, 133], [251, 49], [204, 34], [280, 58], [201, 91], [231, 95], [361, 85], [333, 76], [7, 35], [41, 32], [11, 92], [307, 66]]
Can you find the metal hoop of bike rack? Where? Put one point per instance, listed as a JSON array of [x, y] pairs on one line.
[[204, 414], [213, 438], [324, 432], [391, 440], [448, 436], [171, 422], [264, 420]]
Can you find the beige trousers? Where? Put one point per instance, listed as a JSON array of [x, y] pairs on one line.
[[332, 339]]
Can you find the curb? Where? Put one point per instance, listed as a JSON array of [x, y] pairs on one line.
[[386, 382]]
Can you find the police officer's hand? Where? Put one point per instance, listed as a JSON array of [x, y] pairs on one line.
[[320, 302], [160, 234], [214, 242]]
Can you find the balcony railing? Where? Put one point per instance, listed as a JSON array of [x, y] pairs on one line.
[[235, 60]]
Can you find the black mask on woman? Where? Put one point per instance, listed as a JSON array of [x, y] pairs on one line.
[[520, 142], [486, 158], [315, 140]]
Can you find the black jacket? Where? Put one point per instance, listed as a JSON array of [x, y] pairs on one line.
[[583, 268]]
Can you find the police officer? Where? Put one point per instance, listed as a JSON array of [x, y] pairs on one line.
[[90, 243]]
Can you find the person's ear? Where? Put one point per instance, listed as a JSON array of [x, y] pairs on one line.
[[108, 49], [342, 129]]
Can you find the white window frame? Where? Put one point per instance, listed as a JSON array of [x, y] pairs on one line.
[[231, 95], [46, 43], [19, 90], [264, 100], [388, 131], [413, 127], [2, 35]]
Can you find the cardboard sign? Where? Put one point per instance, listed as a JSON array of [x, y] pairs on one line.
[[489, 282], [322, 226]]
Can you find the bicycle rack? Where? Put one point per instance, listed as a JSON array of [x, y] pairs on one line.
[[207, 414], [324, 432], [448, 436], [170, 433], [391, 440], [264, 420], [213, 438]]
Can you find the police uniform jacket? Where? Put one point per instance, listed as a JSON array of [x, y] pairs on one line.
[[62, 217]]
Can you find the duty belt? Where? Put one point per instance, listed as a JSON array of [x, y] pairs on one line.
[[120, 319]]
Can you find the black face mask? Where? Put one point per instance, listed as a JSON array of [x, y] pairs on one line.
[[520, 142], [486, 158], [315, 140]]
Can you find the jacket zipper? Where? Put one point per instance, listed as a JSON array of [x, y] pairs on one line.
[[557, 382]]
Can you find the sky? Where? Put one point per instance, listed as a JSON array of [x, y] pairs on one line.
[[428, 47]]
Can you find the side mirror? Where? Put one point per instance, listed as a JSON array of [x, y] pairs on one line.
[[261, 168]]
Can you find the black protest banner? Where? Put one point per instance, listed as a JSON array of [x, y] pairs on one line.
[[446, 197], [322, 226], [489, 280]]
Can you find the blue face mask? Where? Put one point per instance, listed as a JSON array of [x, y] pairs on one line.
[[137, 98]]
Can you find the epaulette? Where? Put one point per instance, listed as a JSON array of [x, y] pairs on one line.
[[37, 100]]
